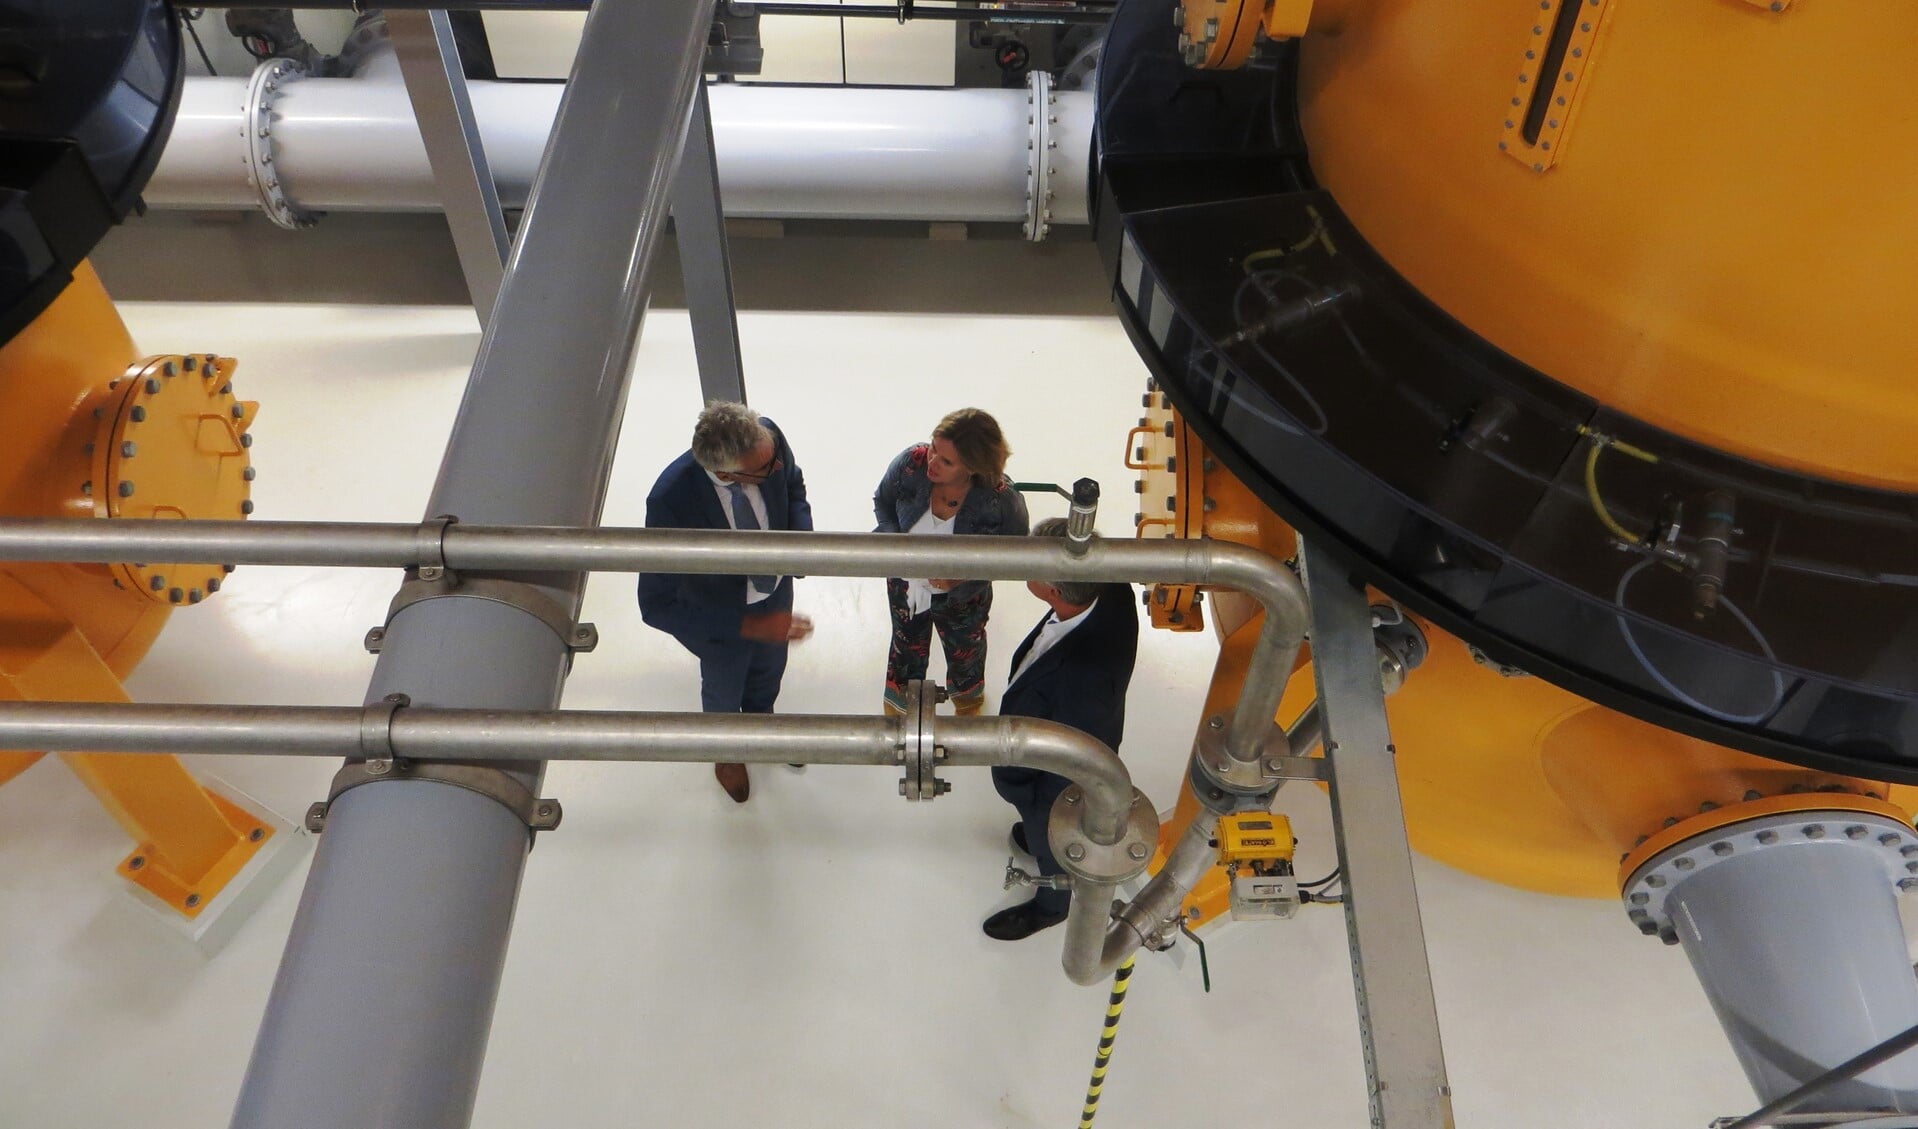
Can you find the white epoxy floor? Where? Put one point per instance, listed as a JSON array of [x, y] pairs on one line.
[[812, 959]]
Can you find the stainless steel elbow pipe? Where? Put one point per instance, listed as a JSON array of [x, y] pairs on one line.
[[1092, 949]]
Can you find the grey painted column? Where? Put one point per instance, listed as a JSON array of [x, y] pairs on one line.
[[379, 1014], [1800, 950], [436, 83], [699, 226], [1398, 1016]]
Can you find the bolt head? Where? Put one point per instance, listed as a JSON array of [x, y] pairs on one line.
[[1815, 831], [1137, 852], [1075, 852], [136, 862], [1908, 884], [258, 833], [192, 900]]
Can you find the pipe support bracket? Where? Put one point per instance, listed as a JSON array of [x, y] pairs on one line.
[[495, 784], [437, 581], [1225, 784]]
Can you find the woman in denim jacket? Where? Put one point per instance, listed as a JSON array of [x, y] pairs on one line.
[[955, 484]]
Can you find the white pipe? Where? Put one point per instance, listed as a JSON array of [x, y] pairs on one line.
[[784, 152]]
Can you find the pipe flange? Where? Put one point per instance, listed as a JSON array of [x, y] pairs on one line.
[[1647, 892], [495, 784], [1042, 114], [1088, 861], [919, 748], [256, 125], [1216, 768], [437, 582]]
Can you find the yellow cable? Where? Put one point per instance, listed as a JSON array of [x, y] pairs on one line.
[[1598, 503], [1600, 441], [1114, 1007]]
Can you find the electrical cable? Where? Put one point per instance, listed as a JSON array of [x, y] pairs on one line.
[[189, 17], [1257, 280], [1115, 1006], [1631, 641], [1597, 499], [1332, 877]]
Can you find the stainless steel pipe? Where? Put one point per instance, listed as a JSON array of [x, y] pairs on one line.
[[478, 735], [486, 548], [424, 733], [1098, 942]]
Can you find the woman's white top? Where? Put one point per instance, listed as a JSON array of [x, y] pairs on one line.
[[919, 593]]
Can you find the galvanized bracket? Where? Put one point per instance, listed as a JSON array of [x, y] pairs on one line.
[[376, 733], [495, 784], [1294, 768], [437, 581], [919, 750]]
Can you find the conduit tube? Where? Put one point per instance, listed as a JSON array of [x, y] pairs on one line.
[[793, 152]]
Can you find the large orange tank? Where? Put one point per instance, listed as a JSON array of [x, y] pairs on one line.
[[95, 431], [1700, 215]]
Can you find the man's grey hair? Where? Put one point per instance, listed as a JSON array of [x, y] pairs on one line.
[[1077, 592], [726, 435]]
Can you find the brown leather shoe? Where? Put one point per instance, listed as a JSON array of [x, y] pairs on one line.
[[733, 778]]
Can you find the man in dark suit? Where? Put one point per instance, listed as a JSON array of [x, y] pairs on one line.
[[1073, 668], [739, 474]]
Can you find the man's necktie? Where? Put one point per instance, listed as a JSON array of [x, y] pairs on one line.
[[745, 518]]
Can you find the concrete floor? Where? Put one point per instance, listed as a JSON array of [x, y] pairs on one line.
[[812, 959]]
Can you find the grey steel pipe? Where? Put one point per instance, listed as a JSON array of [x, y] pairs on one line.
[[426, 875], [495, 548]]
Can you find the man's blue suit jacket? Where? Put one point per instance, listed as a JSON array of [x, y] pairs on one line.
[[1082, 680], [710, 607]]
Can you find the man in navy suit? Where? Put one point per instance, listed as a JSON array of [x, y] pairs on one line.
[[1073, 668], [739, 474]]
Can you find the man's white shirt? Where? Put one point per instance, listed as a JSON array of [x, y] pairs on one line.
[[758, 502], [1054, 630]]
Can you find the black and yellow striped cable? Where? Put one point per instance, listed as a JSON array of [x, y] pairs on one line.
[[1114, 1008]]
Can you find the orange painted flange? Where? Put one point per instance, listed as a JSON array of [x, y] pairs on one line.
[[171, 443], [1706, 822]]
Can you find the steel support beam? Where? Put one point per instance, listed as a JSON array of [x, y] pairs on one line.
[[699, 227], [1398, 1016], [379, 1015], [436, 83]]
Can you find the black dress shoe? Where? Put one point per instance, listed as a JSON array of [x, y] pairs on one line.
[[1021, 921], [1018, 838]]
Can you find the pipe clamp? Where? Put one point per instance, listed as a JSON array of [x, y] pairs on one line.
[[437, 581], [495, 784]]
